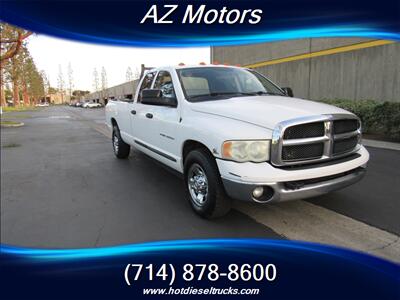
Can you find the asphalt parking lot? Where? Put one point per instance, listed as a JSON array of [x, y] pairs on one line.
[[61, 186]]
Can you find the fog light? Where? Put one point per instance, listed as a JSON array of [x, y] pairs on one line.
[[258, 191]]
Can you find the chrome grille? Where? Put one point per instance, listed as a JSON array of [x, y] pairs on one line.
[[313, 139], [306, 151], [342, 126], [304, 131], [345, 145]]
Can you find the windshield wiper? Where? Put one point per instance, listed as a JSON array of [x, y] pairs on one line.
[[216, 94], [259, 93]]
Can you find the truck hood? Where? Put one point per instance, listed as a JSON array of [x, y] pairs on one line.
[[265, 111]]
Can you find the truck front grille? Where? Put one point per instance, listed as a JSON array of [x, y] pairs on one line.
[[307, 151], [342, 146], [342, 126], [304, 131], [314, 139]]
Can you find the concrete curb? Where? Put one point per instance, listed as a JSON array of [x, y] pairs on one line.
[[381, 144], [13, 125], [301, 220]]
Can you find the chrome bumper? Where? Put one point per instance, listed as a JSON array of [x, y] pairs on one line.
[[285, 191]]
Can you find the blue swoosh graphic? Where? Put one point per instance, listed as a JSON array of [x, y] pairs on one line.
[[118, 22], [224, 245], [189, 41]]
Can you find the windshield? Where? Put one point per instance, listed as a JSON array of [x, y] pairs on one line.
[[215, 83]]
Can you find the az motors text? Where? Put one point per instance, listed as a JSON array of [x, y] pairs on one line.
[[199, 15]]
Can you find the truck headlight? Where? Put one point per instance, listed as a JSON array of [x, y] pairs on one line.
[[241, 151]]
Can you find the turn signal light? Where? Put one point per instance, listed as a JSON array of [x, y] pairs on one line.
[[226, 149]]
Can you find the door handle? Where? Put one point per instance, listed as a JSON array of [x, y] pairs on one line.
[[133, 112], [149, 115]]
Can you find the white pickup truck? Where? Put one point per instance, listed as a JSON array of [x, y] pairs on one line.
[[234, 134]]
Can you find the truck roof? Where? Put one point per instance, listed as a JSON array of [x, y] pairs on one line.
[[193, 66]]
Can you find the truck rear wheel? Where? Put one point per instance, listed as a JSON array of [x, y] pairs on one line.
[[204, 187], [121, 149]]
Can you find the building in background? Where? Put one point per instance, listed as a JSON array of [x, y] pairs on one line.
[[122, 91], [324, 68], [56, 97]]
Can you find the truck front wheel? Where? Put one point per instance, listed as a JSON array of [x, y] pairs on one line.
[[204, 187], [121, 149]]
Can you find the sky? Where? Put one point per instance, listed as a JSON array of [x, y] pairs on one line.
[[48, 53]]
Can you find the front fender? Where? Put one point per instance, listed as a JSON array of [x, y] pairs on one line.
[[212, 131]]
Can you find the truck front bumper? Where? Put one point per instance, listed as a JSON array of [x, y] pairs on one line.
[[241, 179]]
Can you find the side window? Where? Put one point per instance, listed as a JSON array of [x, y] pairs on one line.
[[146, 84], [164, 83]]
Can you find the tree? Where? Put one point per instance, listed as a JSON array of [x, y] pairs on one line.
[[46, 83], [79, 94], [36, 85], [2, 87], [11, 40], [7, 93], [70, 80], [27, 73], [12, 72], [61, 83], [95, 80], [26, 80], [32, 81], [136, 74], [129, 74], [52, 90], [104, 83]]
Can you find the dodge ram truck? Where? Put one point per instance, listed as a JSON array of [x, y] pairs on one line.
[[234, 134]]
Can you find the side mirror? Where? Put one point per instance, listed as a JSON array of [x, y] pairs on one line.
[[155, 97], [150, 94], [288, 91]]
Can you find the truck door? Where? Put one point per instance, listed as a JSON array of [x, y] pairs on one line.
[[137, 122], [159, 124]]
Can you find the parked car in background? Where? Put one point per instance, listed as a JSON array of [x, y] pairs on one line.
[[93, 105], [85, 104], [234, 134], [42, 104]]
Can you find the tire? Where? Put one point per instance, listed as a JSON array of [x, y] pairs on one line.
[[121, 149], [211, 202]]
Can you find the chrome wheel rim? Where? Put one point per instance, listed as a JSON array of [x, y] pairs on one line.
[[115, 143], [198, 184]]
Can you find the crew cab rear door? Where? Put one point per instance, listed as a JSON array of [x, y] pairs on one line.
[[158, 124], [138, 122]]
